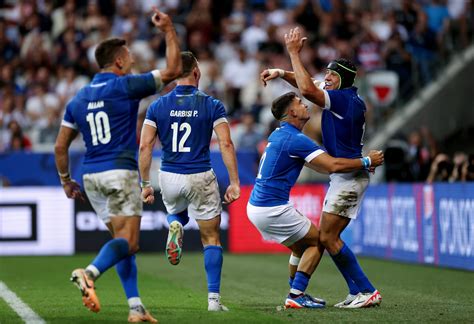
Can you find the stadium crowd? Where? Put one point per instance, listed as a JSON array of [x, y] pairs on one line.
[[47, 54]]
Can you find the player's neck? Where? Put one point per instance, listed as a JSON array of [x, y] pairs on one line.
[[113, 70], [187, 82], [296, 122]]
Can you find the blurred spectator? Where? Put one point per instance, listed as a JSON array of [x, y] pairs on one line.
[[459, 160], [237, 74], [421, 150], [40, 105], [398, 59], [468, 169], [41, 42], [247, 134], [17, 140], [441, 169]]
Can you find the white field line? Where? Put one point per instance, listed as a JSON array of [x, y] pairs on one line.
[[22, 309]]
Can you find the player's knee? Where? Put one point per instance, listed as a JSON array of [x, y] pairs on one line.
[[326, 239], [133, 247]]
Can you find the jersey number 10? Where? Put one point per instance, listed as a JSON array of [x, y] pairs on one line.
[[100, 127], [177, 128]]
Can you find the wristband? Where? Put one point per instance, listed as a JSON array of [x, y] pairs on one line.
[[64, 177], [145, 184], [281, 73], [366, 162]]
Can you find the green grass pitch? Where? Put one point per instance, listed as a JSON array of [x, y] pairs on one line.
[[252, 287]]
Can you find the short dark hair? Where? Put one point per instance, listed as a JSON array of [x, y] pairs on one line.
[[189, 62], [107, 51], [280, 104]]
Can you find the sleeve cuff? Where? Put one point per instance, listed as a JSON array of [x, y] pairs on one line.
[[220, 121], [313, 155], [68, 124], [150, 123]]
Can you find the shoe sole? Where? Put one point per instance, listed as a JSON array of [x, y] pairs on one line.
[[173, 248], [89, 298]]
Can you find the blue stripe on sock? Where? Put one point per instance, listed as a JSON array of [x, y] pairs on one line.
[[353, 288], [301, 281], [346, 260], [110, 254], [127, 272], [213, 260], [181, 217]]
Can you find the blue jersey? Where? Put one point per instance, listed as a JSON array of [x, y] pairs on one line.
[[185, 119], [281, 163], [343, 124], [105, 112]]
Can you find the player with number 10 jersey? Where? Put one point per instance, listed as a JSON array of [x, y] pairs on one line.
[[105, 112]]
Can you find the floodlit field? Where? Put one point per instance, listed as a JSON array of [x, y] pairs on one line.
[[252, 287]]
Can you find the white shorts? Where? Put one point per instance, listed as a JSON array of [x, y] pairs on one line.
[[283, 224], [345, 193], [197, 192], [114, 193]]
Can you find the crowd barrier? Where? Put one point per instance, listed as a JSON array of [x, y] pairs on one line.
[[428, 224]]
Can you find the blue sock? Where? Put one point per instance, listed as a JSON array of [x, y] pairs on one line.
[[127, 271], [347, 261], [110, 254], [181, 217], [213, 263], [290, 281], [353, 289], [301, 281]]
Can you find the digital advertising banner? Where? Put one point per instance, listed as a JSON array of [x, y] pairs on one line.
[[91, 233], [36, 221], [428, 224], [245, 238]]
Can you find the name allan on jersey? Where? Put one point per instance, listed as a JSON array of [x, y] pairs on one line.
[[183, 113]]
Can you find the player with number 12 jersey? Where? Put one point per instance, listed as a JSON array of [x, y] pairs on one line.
[[185, 119]]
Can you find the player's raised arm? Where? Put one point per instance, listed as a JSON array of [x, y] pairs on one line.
[[337, 165], [173, 58], [147, 142], [294, 43], [228, 156]]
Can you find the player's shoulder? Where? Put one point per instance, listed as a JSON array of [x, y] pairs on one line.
[[208, 98]]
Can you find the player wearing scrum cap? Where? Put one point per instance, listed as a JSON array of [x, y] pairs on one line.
[[343, 126]]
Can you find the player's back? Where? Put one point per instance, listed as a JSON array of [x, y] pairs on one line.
[[343, 124], [185, 119], [105, 112], [280, 165]]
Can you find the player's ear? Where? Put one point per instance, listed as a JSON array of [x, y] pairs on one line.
[[119, 62]]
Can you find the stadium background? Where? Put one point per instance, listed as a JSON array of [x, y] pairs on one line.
[[415, 61]]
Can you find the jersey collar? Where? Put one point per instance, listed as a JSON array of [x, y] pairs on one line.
[[104, 76], [288, 125], [185, 89]]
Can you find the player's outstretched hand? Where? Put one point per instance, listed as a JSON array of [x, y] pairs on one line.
[[269, 74], [294, 41], [232, 193], [148, 195], [376, 158], [73, 190], [161, 20]]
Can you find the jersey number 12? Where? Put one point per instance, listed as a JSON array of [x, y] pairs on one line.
[[177, 128], [100, 127]]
